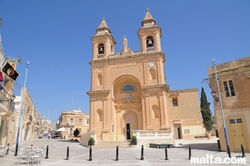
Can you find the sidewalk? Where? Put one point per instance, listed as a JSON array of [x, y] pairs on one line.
[[79, 155]]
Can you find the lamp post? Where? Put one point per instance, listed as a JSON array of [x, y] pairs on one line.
[[221, 107], [20, 112]]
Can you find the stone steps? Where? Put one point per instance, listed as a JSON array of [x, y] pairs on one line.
[[111, 144]]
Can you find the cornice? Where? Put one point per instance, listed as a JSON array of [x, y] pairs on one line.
[[123, 58], [155, 86], [174, 92], [155, 89], [99, 92]]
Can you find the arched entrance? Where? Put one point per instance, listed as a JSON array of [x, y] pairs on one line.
[[127, 101]]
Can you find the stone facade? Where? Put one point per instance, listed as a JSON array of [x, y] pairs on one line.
[[72, 120], [234, 83], [129, 95], [31, 120]]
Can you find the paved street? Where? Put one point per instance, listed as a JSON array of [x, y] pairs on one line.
[[79, 155]]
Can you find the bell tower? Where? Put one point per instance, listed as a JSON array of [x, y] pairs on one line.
[[103, 42], [149, 34]]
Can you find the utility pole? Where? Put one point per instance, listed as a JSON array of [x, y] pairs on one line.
[[20, 111], [221, 106]]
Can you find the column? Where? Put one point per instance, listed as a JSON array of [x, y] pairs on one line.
[[148, 113], [145, 73], [94, 50], [106, 114], [158, 72], [157, 42], [92, 115], [143, 113], [163, 110], [93, 82]]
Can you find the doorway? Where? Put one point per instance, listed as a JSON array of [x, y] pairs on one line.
[[239, 137], [128, 130], [177, 131]]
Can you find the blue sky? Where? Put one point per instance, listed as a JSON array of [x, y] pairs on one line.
[[55, 37]]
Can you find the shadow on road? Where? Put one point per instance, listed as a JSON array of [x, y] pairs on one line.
[[200, 146], [71, 141]]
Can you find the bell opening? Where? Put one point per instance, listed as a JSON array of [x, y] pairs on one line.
[[150, 42], [101, 49]]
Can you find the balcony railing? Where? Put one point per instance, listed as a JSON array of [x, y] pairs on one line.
[[152, 134], [67, 124], [150, 49]]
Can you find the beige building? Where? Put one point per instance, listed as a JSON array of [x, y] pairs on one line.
[[129, 95], [31, 120], [234, 83], [72, 120], [7, 106], [47, 127]]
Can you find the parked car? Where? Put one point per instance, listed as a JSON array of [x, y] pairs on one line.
[[40, 136]]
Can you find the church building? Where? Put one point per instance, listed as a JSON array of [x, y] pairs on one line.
[[129, 95]]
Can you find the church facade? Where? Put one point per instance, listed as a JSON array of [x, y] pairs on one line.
[[129, 95]]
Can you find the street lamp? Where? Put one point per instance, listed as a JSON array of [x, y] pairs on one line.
[[20, 112], [221, 107], [214, 96]]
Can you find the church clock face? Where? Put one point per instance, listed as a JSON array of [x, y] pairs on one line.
[[151, 64]]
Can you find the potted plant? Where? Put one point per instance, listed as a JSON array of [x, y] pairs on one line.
[[91, 141], [133, 140]]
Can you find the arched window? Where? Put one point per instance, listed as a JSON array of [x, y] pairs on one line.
[[156, 111], [99, 115], [150, 43], [101, 49], [128, 88], [152, 73], [99, 79]]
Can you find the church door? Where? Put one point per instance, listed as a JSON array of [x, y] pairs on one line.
[[128, 130]]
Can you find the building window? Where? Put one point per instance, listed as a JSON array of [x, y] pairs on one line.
[[239, 120], [87, 121], [128, 88], [175, 102], [80, 120], [235, 121], [71, 131], [232, 121], [229, 88]]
